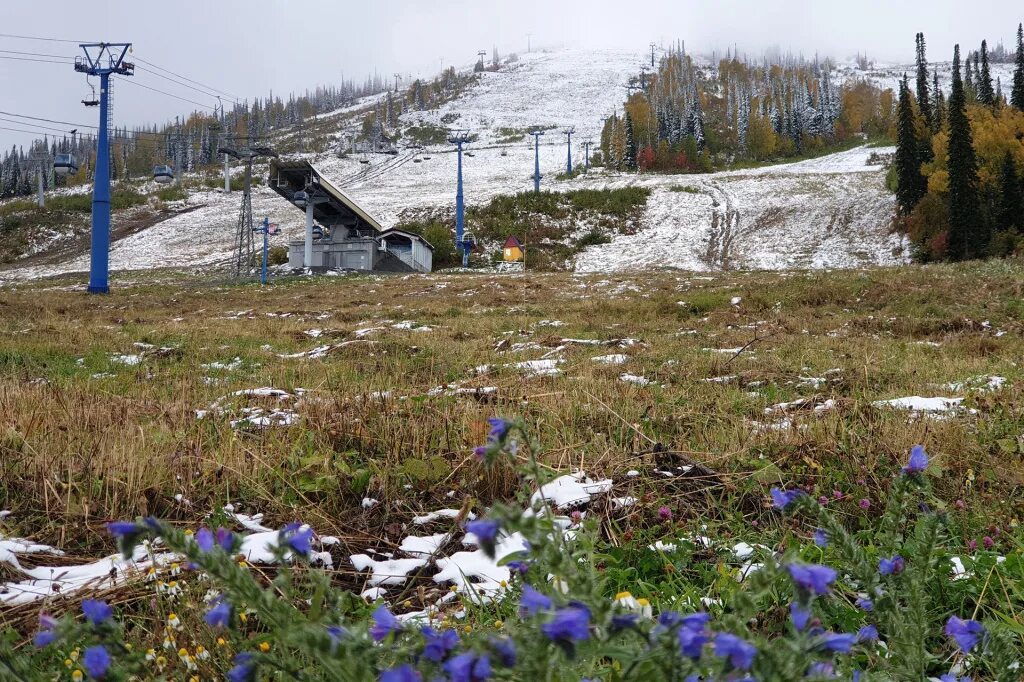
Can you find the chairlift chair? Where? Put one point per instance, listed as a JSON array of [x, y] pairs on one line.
[[65, 164], [90, 100], [468, 241], [163, 174]]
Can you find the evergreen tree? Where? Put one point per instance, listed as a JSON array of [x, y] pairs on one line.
[[923, 98], [911, 185], [970, 92], [940, 102], [966, 235], [1017, 96], [986, 95], [631, 150], [1011, 208]]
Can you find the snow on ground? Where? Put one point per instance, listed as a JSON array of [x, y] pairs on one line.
[[829, 212]]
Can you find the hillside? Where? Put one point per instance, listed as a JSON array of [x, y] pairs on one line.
[[830, 212]]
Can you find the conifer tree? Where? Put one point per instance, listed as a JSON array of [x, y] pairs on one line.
[[1011, 209], [965, 229], [940, 102], [1017, 96], [911, 185], [631, 151], [970, 92], [924, 101], [986, 95]]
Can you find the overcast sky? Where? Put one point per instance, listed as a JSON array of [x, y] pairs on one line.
[[250, 47]]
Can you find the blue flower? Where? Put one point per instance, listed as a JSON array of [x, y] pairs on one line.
[[468, 667], [965, 632], [384, 623], [403, 673], [44, 638], [225, 538], [837, 642], [918, 461], [300, 541], [533, 602], [505, 649], [520, 567], [669, 620], [96, 661], [624, 621], [336, 633], [868, 633], [124, 529], [499, 429], [865, 604], [739, 652], [783, 498], [485, 530], [204, 540], [799, 615], [950, 677], [812, 577], [96, 611], [821, 669], [244, 670], [692, 641], [571, 624], [439, 645], [893, 566], [219, 616], [821, 538]]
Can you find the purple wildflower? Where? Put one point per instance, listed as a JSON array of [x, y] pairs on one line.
[[403, 673], [739, 652], [219, 616], [624, 621], [533, 602], [864, 503], [571, 624], [44, 638], [868, 633], [204, 540], [812, 577], [988, 542], [244, 670], [124, 529], [439, 644], [800, 616], [505, 649], [486, 530], [468, 667], [692, 640], [821, 538], [918, 461], [96, 611], [499, 429], [965, 632], [519, 566], [840, 643], [865, 604], [893, 566], [384, 624], [783, 498], [225, 538], [664, 513], [96, 661]]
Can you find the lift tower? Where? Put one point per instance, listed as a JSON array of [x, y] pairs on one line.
[[103, 60], [463, 242], [568, 135], [536, 159], [244, 248]]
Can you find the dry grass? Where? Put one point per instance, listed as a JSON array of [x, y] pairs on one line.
[[76, 451]]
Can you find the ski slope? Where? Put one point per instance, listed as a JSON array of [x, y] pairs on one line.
[[824, 213]]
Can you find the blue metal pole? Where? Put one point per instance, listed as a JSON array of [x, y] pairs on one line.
[[266, 248], [568, 164], [586, 158], [460, 213], [99, 260], [536, 162]]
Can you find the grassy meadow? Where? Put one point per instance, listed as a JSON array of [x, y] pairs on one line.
[[392, 380]]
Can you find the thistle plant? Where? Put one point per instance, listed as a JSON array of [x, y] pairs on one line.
[[863, 610]]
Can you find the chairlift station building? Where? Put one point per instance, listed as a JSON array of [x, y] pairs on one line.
[[340, 234]]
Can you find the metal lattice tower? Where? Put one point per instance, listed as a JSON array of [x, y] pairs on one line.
[[244, 260]]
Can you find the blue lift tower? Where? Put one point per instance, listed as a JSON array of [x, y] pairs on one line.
[[536, 159], [102, 59], [568, 163], [464, 242]]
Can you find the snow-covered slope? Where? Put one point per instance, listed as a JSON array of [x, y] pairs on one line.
[[829, 212]]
